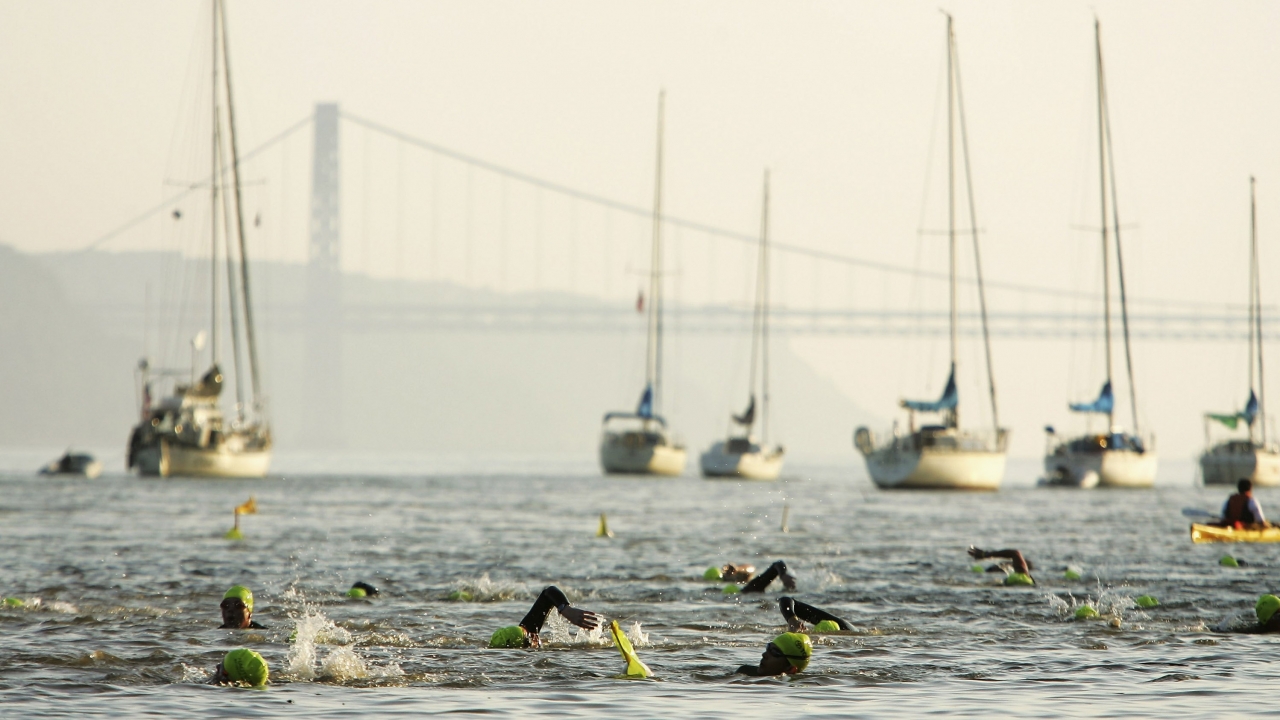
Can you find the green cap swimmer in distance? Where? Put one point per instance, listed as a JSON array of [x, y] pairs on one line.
[[512, 636], [1146, 601], [827, 626], [242, 593], [1266, 607], [796, 647], [1085, 612], [1018, 578], [712, 573], [245, 666]]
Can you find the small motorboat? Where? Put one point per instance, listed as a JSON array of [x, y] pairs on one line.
[[74, 463]]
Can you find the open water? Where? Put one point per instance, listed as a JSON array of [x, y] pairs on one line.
[[122, 577]]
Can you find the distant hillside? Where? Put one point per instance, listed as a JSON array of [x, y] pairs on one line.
[[71, 332]]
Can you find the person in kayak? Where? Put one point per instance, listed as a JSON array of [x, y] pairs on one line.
[[237, 610], [787, 654], [526, 633], [797, 614], [1019, 570], [1242, 510]]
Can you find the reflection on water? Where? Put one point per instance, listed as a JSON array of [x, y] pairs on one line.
[[120, 580]]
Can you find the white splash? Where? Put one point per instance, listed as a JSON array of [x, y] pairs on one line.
[[311, 630], [638, 637]]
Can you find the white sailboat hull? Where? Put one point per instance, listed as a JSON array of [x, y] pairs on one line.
[[171, 460], [935, 469], [1122, 468], [1224, 464], [765, 464], [632, 454]]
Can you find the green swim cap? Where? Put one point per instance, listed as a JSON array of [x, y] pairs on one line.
[[246, 666], [1145, 601], [1086, 611], [796, 647], [13, 602], [242, 592], [356, 592], [460, 596], [512, 636], [977, 568], [712, 573], [729, 589], [1018, 579], [1228, 561], [827, 626], [1266, 607], [1070, 575]]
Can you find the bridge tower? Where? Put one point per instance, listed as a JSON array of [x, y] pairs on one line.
[[324, 289]]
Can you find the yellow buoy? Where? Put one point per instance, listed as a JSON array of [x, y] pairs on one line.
[[604, 530]]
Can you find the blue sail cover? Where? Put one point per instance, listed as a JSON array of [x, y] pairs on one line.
[[645, 408], [950, 398], [1104, 404], [1250, 411]]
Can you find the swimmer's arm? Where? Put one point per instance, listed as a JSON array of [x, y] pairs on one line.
[[550, 598], [761, 581], [813, 615], [1019, 562]]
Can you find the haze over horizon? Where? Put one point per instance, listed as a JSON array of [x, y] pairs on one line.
[[841, 101]]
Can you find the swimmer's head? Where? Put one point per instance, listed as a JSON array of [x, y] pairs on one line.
[[1018, 578], [1084, 612], [1266, 607], [827, 626], [712, 573], [796, 648], [362, 589], [512, 636], [237, 607], [244, 666], [244, 594]]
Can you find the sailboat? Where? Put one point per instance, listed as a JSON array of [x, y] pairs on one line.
[[1254, 458], [1115, 458], [742, 455], [640, 442], [186, 433], [944, 455]]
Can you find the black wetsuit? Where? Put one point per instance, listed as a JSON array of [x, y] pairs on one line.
[[762, 581], [550, 598], [795, 609], [253, 625], [752, 670]]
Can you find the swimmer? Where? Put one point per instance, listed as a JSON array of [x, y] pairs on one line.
[[1242, 509], [798, 613], [774, 571], [1268, 617], [526, 633], [787, 654], [242, 666], [362, 589], [737, 573], [1021, 569], [237, 610]]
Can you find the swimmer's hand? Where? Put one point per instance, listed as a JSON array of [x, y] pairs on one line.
[[584, 619], [534, 640], [977, 553]]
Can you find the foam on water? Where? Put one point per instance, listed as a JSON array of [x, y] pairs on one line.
[[482, 589]]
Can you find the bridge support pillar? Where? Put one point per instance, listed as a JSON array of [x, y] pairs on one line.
[[324, 390]]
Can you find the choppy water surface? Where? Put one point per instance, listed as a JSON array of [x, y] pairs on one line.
[[123, 576]]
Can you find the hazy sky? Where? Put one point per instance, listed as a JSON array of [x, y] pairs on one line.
[[840, 99]]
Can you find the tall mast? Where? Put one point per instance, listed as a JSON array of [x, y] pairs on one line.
[[1102, 189], [1257, 308], [653, 366], [215, 165], [233, 310], [954, 418], [1253, 289], [977, 254], [244, 255], [1115, 220], [762, 313]]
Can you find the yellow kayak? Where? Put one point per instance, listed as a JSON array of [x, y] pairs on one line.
[[1213, 533]]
